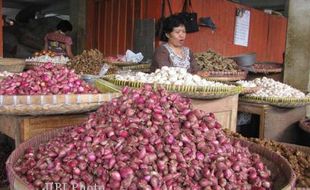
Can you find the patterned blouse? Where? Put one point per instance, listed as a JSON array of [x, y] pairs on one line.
[[165, 56], [57, 42], [178, 61]]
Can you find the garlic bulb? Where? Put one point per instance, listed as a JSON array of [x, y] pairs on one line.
[[170, 75], [272, 88], [45, 58]]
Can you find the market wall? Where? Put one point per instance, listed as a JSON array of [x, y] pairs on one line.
[[110, 27]]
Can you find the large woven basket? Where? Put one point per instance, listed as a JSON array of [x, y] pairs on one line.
[[277, 101], [198, 92], [281, 172], [12, 65], [52, 104], [304, 149]]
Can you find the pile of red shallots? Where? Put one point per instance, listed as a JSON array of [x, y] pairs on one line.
[[146, 140], [45, 79]]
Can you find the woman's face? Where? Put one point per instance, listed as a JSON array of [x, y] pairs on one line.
[[177, 36]]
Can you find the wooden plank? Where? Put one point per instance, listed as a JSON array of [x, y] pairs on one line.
[[225, 110], [35, 125]]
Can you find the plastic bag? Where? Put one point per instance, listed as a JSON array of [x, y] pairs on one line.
[[133, 57]]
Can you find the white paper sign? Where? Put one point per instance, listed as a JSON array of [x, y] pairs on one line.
[[242, 28]]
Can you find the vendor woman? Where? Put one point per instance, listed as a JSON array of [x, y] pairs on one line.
[[173, 53]]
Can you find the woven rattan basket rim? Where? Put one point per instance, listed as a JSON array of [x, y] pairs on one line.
[[39, 139], [225, 73], [304, 126], [276, 101], [120, 63], [281, 161], [250, 90], [136, 67], [170, 87], [231, 78], [277, 68], [30, 63]]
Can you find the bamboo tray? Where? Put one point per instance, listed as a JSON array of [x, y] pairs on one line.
[[197, 92], [52, 104], [276, 101], [281, 172], [223, 76], [266, 68]]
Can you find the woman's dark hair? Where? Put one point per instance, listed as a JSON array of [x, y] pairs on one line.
[[169, 23], [64, 26]]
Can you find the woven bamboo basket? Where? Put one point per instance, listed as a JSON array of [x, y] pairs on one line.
[[105, 86], [266, 68], [223, 76], [52, 104], [198, 92], [277, 101], [304, 149], [32, 64], [250, 90], [281, 172], [120, 63], [12, 65]]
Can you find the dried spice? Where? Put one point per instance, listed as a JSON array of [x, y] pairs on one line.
[[212, 61], [300, 161], [89, 62]]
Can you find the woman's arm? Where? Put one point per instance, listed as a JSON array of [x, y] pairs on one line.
[[194, 68], [45, 43], [160, 58], [68, 47], [69, 51]]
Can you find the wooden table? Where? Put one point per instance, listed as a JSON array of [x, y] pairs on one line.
[[275, 123], [225, 110], [21, 128]]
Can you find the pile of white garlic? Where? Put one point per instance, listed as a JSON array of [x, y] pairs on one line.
[[45, 58], [272, 88], [170, 75], [246, 84]]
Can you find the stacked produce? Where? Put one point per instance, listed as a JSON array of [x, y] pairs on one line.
[[89, 62], [145, 139], [47, 56], [45, 52], [45, 79], [170, 75], [300, 161], [272, 88], [211, 61]]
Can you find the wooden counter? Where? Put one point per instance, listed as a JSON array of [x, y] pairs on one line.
[[225, 110], [275, 123], [21, 128]]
